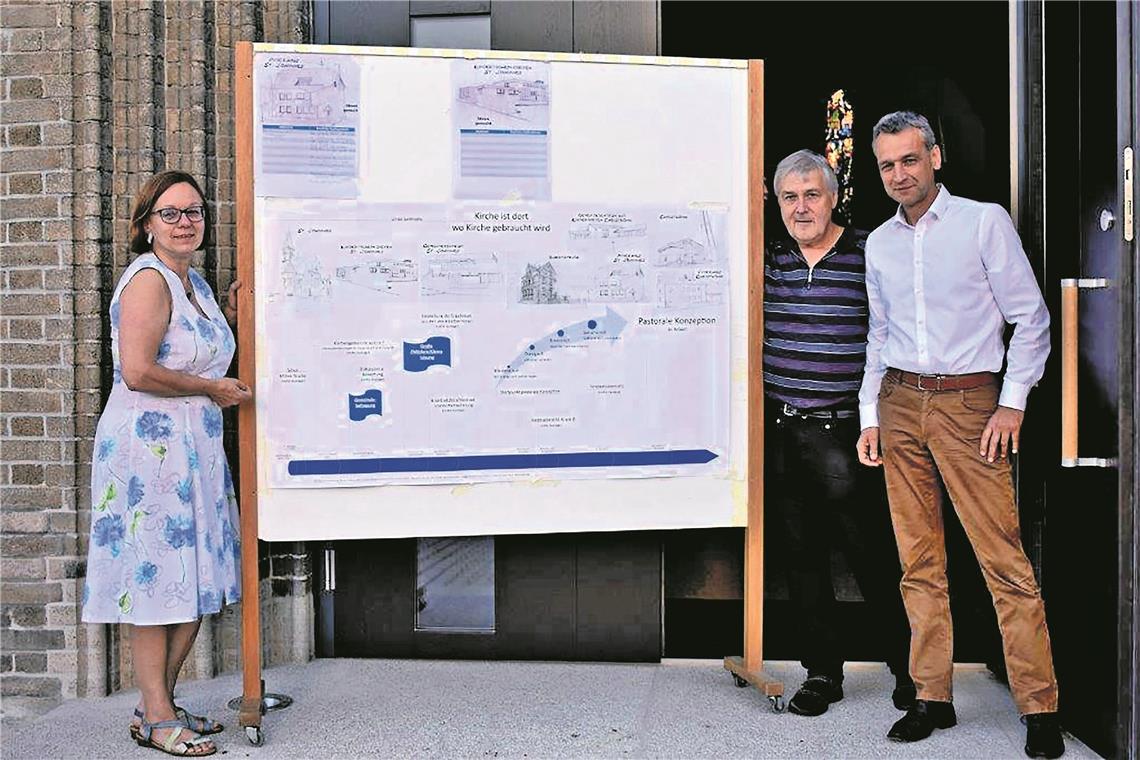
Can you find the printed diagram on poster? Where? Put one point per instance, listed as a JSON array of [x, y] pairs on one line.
[[472, 343], [501, 116], [307, 117]]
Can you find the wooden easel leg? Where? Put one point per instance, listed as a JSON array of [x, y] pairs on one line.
[[249, 714], [749, 669], [253, 688], [771, 688]]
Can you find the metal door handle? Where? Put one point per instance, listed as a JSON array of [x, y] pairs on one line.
[[1069, 356]]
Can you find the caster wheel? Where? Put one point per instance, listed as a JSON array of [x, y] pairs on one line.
[[777, 702], [740, 682], [255, 735]]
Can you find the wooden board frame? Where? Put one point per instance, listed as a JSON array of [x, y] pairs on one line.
[[749, 669], [745, 670], [249, 715]]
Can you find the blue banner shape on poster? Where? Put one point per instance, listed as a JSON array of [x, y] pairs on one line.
[[367, 403], [500, 462], [428, 353], [603, 327]]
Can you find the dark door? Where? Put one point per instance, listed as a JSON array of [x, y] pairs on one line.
[[962, 89], [1088, 567]]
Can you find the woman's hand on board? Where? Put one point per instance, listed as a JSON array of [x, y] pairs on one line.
[[229, 391]]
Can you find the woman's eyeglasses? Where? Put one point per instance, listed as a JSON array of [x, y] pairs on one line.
[[172, 215]]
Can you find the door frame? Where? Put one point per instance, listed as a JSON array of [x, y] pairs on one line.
[[1128, 132], [1028, 164]]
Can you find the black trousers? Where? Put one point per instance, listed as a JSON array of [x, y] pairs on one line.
[[818, 497]]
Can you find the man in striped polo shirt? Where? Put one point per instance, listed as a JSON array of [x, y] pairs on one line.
[[815, 333]]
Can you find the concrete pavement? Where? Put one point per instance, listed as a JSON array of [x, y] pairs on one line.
[[348, 708]]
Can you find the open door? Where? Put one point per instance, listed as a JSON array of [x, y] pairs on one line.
[[1086, 406]]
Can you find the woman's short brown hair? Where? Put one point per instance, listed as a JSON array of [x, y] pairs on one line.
[[149, 194]]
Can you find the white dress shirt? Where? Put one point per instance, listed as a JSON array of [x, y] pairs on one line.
[[940, 293]]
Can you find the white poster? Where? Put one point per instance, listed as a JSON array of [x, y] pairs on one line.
[[412, 344], [307, 125], [501, 117]]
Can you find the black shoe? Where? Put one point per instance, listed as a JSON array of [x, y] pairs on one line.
[[1043, 735], [904, 695], [815, 695], [921, 720]]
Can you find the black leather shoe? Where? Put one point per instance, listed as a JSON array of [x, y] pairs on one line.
[[904, 695], [816, 693], [921, 720], [1043, 735]]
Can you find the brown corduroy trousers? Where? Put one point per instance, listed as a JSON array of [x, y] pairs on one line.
[[924, 435]]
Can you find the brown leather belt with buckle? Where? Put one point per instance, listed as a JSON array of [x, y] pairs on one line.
[[942, 382]]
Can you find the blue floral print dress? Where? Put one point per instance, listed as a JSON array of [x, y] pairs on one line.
[[164, 541]]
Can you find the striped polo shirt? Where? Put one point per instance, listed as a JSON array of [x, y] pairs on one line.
[[815, 324]]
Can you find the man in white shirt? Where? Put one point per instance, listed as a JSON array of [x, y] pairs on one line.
[[944, 277]]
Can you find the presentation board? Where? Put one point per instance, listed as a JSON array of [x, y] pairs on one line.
[[499, 292]]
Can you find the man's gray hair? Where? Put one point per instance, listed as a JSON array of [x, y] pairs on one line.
[[896, 122], [803, 163]]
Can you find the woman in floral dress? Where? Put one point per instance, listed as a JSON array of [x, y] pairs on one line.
[[164, 536]]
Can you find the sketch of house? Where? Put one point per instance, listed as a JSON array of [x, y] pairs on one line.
[[461, 277], [683, 253], [301, 275], [313, 283], [379, 275], [509, 96], [688, 251], [309, 96], [619, 286], [605, 231], [539, 285], [687, 291]]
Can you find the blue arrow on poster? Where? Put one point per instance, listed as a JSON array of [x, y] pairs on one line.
[[418, 356], [364, 405], [303, 467]]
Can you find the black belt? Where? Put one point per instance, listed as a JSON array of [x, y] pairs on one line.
[[787, 410]]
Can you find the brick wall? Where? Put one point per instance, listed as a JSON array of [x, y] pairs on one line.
[[94, 97]]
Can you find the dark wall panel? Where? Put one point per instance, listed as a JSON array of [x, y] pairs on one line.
[[374, 598], [448, 7], [363, 22], [615, 26], [526, 25], [619, 597], [573, 596], [535, 601], [588, 26]]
